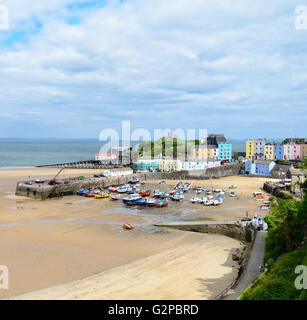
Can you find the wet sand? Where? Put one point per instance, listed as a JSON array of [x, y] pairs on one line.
[[60, 241]]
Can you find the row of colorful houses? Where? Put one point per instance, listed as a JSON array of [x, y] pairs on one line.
[[172, 165], [262, 150]]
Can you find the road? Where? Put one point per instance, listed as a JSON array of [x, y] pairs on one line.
[[252, 271]]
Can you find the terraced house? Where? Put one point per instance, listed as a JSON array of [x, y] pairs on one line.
[[225, 151], [250, 149], [269, 151], [278, 152]]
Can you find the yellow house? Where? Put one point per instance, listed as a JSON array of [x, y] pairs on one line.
[[205, 152], [269, 152], [250, 149]]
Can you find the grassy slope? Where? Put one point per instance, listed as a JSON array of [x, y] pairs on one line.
[[278, 283]]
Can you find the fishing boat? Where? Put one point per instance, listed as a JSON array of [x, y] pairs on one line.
[[81, 192], [162, 203], [151, 202], [145, 193], [112, 189], [133, 181], [157, 194], [128, 226], [122, 190], [233, 186], [177, 197], [131, 199], [91, 194], [164, 195], [103, 195], [141, 202], [115, 197], [131, 191]]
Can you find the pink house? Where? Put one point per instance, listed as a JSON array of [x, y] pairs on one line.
[[295, 151]]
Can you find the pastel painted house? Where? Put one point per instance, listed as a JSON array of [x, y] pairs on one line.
[[278, 152], [259, 167], [295, 151], [225, 151]]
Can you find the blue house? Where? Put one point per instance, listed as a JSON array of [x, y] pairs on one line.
[[225, 151], [260, 167], [278, 152]]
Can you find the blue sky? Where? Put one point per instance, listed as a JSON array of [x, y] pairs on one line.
[[73, 68]]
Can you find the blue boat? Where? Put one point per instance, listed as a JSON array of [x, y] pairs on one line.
[[131, 191], [133, 181], [131, 199], [142, 202]]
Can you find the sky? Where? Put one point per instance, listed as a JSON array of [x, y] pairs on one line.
[[70, 69]]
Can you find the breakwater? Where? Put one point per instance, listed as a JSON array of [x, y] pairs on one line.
[[229, 229]]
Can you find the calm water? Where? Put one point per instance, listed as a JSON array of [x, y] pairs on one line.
[[34, 153]]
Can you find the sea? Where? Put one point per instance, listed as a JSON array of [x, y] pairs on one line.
[[23, 154]]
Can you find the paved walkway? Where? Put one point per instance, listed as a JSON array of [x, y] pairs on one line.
[[252, 271]]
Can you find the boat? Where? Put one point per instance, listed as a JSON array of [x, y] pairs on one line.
[[177, 197], [172, 192], [232, 194], [115, 197], [131, 191], [91, 194], [151, 202], [134, 181], [233, 186], [217, 202], [217, 190], [81, 192], [143, 182], [199, 191], [128, 226], [196, 200], [122, 190], [164, 195], [162, 203], [204, 188], [264, 207], [102, 195], [157, 194], [131, 199], [141, 202], [208, 202], [112, 189], [39, 181], [145, 193], [208, 192]]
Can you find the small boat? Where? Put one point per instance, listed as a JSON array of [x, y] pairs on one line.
[[208, 192], [157, 194], [162, 182], [151, 202], [172, 192], [91, 194], [131, 191], [204, 188], [199, 191], [128, 226], [112, 189], [39, 181], [115, 197], [264, 207], [122, 190], [102, 195], [217, 190], [208, 202], [133, 181], [177, 197], [143, 182], [232, 194], [217, 202], [162, 203], [131, 199], [164, 195], [28, 182], [233, 186], [145, 193], [81, 192], [195, 200], [141, 202]]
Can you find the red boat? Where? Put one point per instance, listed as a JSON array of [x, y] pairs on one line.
[[90, 195], [161, 204], [145, 193], [128, 226]]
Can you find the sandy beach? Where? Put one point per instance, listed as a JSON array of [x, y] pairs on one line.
[[75, 248]]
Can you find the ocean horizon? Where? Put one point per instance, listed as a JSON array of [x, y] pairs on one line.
[[32, 153]]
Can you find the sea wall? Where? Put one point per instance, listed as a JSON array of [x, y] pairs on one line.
[[276, 191], [70, 186], [229, 229]]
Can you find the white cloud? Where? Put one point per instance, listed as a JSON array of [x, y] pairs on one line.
[[146, 59]]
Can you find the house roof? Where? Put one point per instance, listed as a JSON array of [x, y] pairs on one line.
[[281, 167], [267, 162]]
